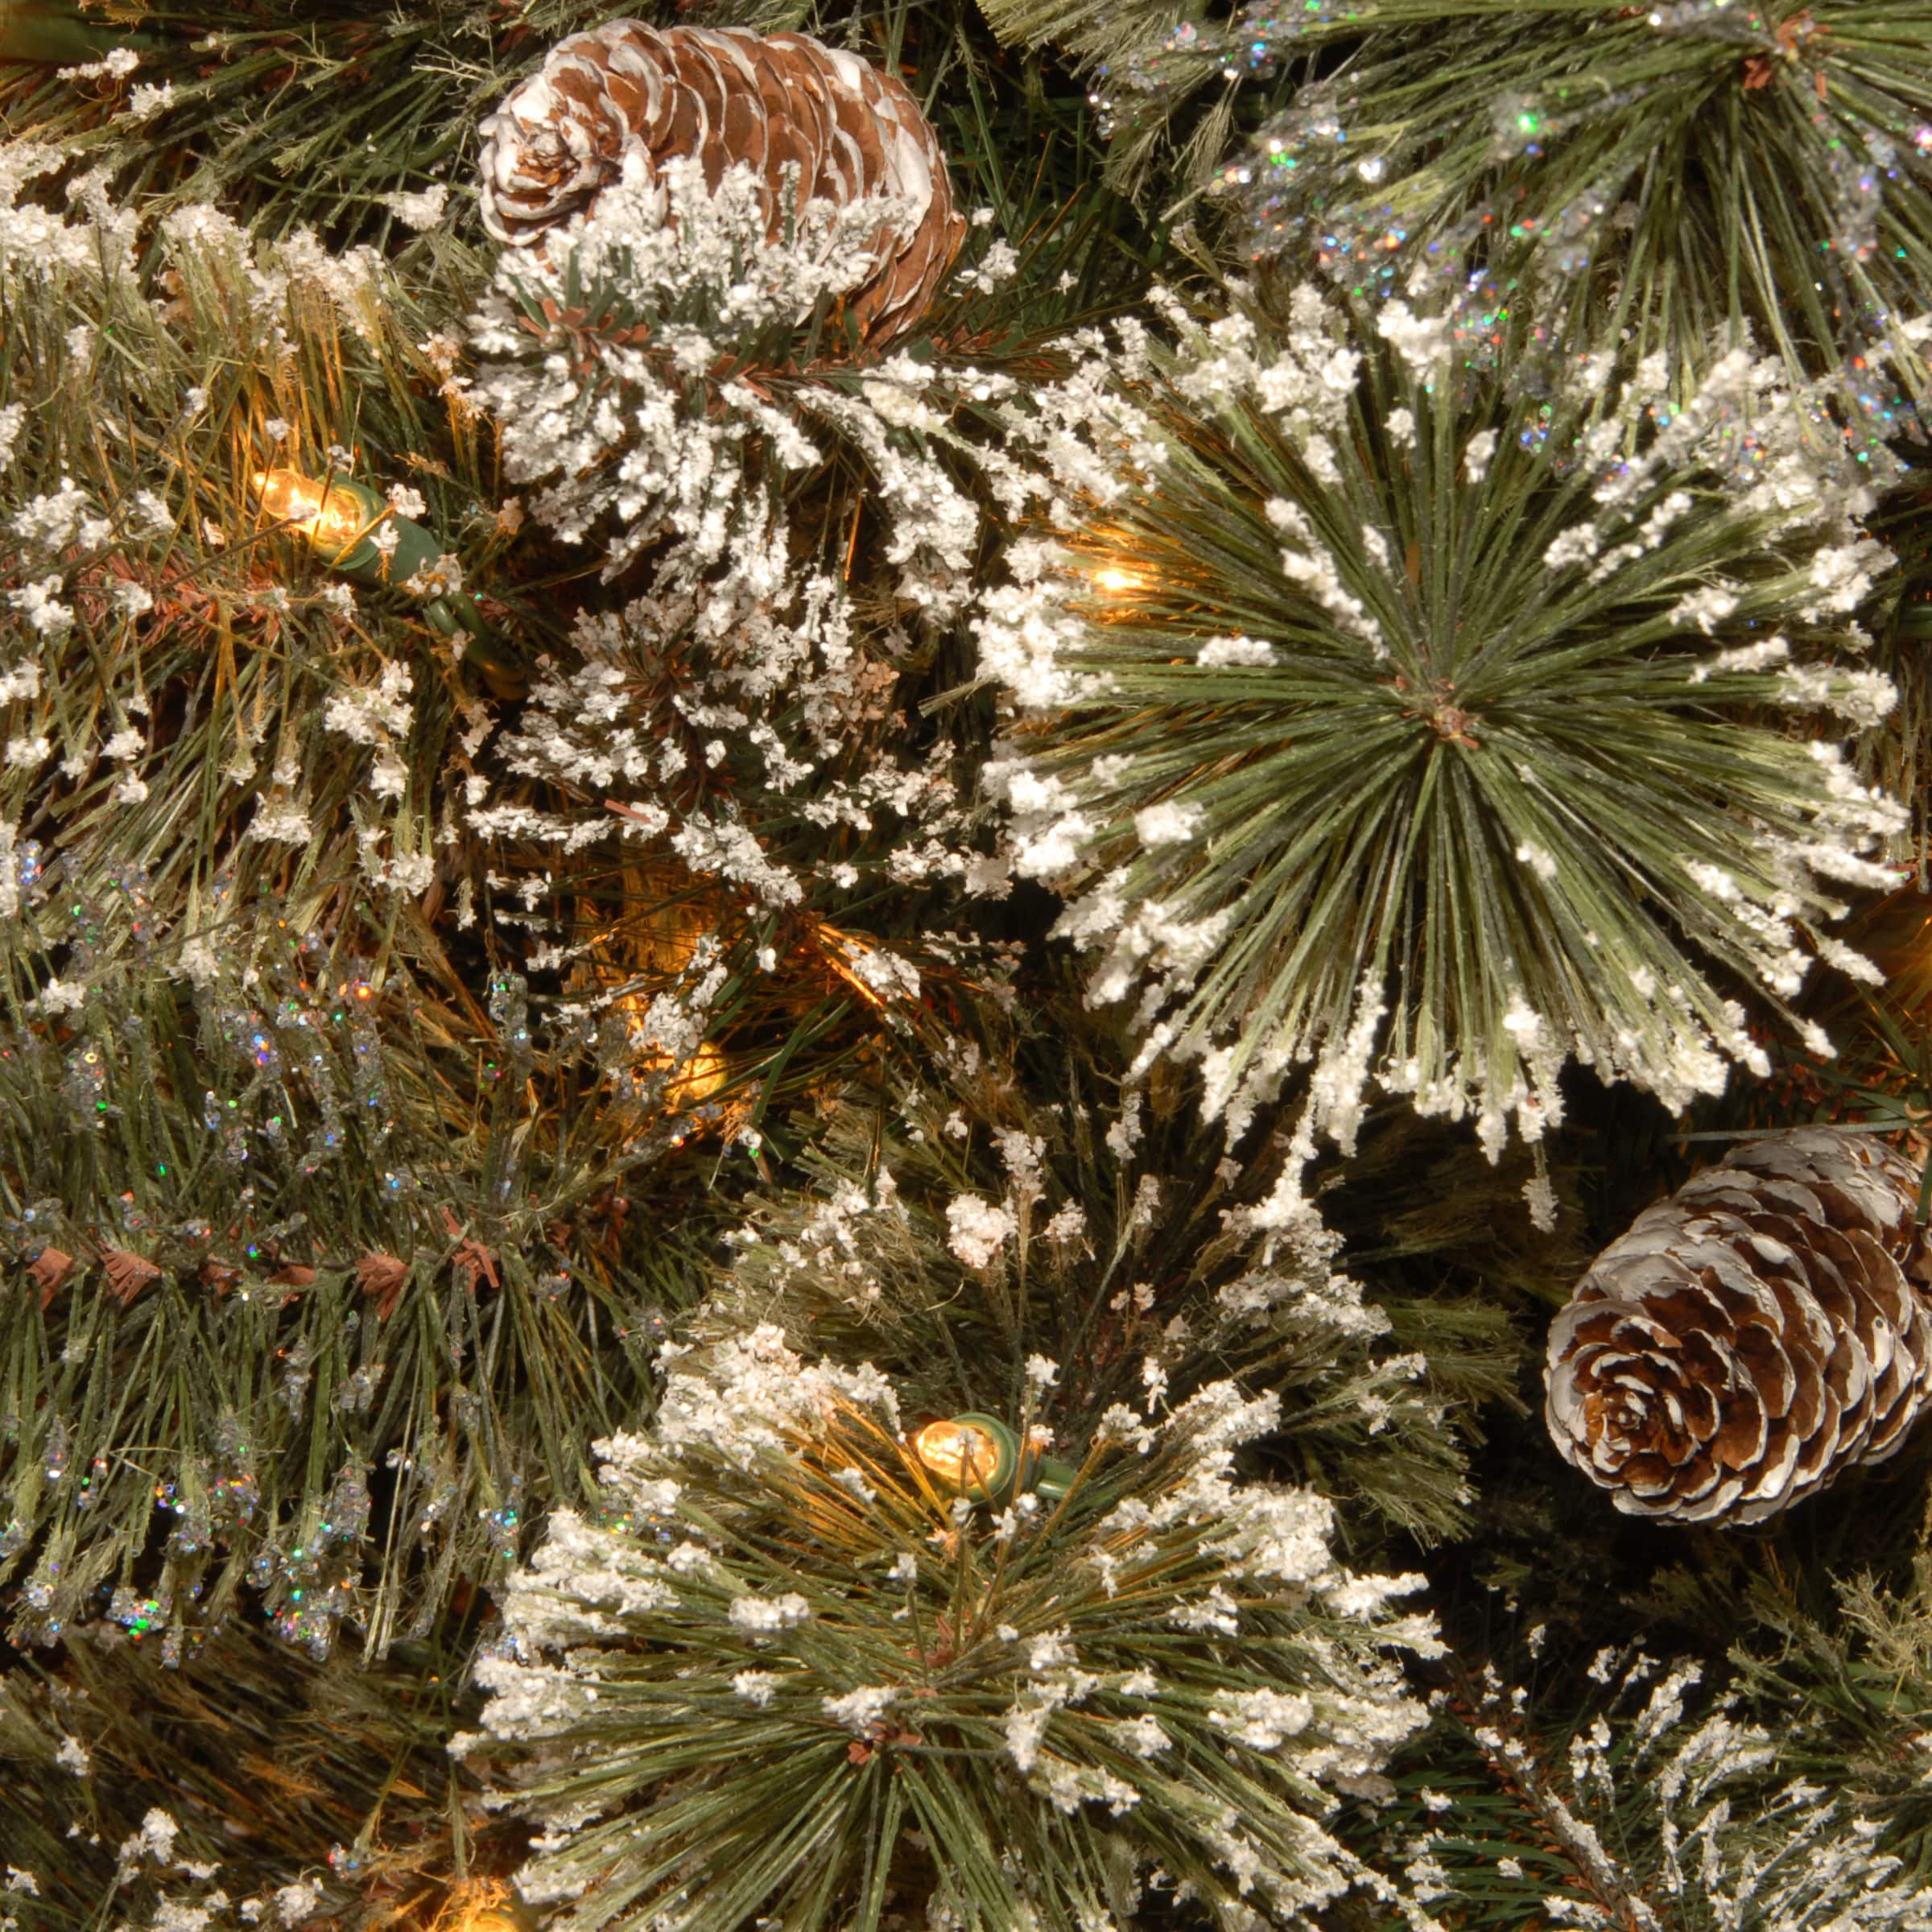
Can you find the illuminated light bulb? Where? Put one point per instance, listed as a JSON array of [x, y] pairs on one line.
[[698, 1079], [964, 1455], [484, 1908], [979, 1456], [688, 1084], [334, 518], [338, 520]]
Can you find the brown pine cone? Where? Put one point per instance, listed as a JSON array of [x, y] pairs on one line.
[[1753, 1337], [725, 95]]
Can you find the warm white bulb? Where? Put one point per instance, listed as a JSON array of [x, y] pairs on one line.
[[487, 1914], [288, 495], [962, 1455], [333, 519]]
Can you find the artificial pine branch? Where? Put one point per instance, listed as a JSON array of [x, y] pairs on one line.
[[176, 806], [1723, 168], [346, 116], [1900, 756], [961, 1227], [1385, 711], [796, 1672], [1659, 1808], [249, 1785], [204, 1336], [1857, 1662]]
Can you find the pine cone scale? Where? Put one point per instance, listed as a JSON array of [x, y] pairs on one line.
[[1753, 1337], [689, 127], [713, 90], [1770, 1378], [744, 129], [629, 101]]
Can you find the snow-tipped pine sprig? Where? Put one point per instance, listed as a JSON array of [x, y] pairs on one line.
[[786, 1674], [666, 371], [1721, 164], [961, 1235], [1392, 719], [1658, 1807]]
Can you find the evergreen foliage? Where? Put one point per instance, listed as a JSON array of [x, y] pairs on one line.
[[345, 1399], [778, 1589], [279, 856], [527, 1078], [1376, 688], [1657, 1806], [1859, 1667], [1722, 167], [1713, 167], [226, 984], [254, 1786], [960, 1231]]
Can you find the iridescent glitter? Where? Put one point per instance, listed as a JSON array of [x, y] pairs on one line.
[[1364, 176], [1251, 44]]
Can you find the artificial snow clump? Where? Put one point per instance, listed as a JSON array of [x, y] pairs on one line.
[[643, 367], [979, 1229], [731, 738]]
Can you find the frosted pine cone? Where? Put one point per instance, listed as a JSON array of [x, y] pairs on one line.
[[726, 95], [1750, 1339]]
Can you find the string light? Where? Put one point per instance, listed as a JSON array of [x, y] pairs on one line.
[[979, 1456], [484, 1907], [688, 1093], [699, 1078], [964, 1454], [338, 520]]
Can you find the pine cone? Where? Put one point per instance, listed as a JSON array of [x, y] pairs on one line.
[[1753, 1337], [726, 95]]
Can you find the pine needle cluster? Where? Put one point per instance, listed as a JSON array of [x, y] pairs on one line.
[[1662, 1805], [796, 1672], [281, 908], [355, 1051], [203, 705], [963, 1225], [333, 1401], [1855, 1659], [1719, 167], [226, 835], [1379, 712], [254, 1787], [654, 367], [1707, 166]]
